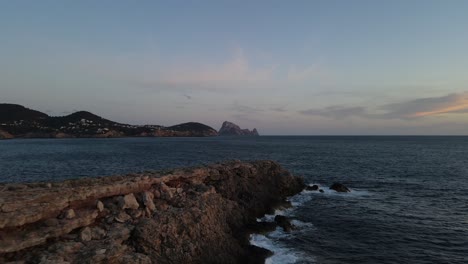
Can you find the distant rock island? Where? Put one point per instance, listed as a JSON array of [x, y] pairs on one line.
[[231, 129], [17, 121]]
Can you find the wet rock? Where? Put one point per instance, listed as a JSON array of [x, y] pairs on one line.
[[339, 187], [322, 191], [312, 188], [284, 222], [262, 227], [257, 254]]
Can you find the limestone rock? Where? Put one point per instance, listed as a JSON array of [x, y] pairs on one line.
[[128, 201], [122, 217], [147, 198], [198, 215], [86, 234], [100, 206], [69, 214]]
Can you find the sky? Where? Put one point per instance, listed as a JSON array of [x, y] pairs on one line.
[[285, 67]]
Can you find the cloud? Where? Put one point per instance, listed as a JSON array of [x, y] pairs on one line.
[[278, 109], [234, 74], [452, 103], [418, 108], [245, 109], [336, 112], [237, 69], [297, 74]]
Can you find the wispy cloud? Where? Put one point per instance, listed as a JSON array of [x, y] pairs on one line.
[[418, 108], [279, 109], [236, 69], [245, 109], [452, 103], [296, 74], [336, 112]]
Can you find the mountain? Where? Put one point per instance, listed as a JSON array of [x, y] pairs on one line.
[[17, 121], [231, 129]]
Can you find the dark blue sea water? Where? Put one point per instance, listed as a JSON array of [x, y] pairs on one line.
[[409, 202]]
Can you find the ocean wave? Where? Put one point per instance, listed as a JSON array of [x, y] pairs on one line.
[[355, 193], [274, 241], [282, 254]]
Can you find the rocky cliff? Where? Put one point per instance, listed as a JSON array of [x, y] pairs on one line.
[[196, 215], [231, 129]]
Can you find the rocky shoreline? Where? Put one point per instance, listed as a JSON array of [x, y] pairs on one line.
[[194, 215]]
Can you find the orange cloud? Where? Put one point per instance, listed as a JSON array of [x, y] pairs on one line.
[[459, 103]]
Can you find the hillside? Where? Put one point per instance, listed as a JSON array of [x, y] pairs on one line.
[[14, 112], [20, 122]]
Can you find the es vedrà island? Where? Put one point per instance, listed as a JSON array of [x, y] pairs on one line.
[[17, 121]]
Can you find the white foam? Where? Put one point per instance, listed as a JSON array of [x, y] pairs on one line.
[[281, 254], [271, 217], [274, 241], [302, 225], [327, 191]]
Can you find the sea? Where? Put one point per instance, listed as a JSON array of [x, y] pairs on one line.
[[408, 201]]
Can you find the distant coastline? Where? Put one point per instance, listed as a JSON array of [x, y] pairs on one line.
[[17, 121]]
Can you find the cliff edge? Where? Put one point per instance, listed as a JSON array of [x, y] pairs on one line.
[[195, 215]]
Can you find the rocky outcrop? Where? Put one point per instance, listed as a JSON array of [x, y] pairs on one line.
[[5, 135], [196, 215], [191, 129], [339, 187], [284, 223], [314, 187], [231, 129]]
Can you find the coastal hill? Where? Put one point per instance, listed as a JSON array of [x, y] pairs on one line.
[[17, 121], [231, 129], [14, 112]]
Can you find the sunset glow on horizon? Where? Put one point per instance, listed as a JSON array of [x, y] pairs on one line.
[[301, 68]]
